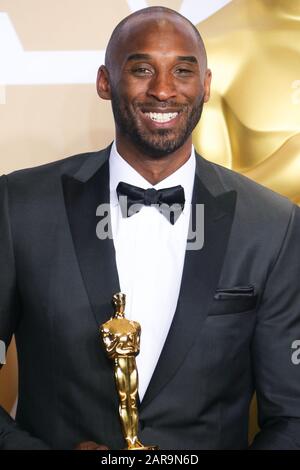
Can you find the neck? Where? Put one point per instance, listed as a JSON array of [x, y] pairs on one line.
[[153, 169]]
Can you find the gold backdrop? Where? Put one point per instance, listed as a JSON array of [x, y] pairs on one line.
[[251, 124]]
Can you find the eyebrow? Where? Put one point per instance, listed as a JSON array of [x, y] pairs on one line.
[[182, 58], [139, 57], [187, 58]]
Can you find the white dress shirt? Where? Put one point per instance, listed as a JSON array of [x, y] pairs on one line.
[[150, 255]]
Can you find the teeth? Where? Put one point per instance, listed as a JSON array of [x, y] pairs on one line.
[[161, 117]]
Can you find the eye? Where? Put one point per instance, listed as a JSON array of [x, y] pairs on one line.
[[183, 72], [142, 71]]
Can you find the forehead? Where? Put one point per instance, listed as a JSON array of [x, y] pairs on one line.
[[160, 35]]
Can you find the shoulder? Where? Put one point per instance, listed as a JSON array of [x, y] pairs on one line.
[[45, 179], [253, 198], [53, 169], [262, 217]]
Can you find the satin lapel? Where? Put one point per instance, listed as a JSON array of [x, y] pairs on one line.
[[83, 193], [202, 269]]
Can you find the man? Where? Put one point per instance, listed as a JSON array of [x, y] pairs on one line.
[[218, 322]]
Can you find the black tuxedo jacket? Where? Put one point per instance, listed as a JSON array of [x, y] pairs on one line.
[[237, 317]]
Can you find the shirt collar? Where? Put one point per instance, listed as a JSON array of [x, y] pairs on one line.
[[120, 170]]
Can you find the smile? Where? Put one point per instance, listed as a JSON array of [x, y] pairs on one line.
[[161, 117]]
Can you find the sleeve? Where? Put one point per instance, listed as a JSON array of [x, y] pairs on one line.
[[11, 436], [276, 373]]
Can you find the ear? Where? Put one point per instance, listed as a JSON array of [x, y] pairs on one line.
[[103, 83], [207, 82]]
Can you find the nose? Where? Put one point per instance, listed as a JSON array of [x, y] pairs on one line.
[[162, 87]]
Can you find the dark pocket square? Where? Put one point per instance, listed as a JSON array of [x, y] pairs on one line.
[[237, 299], [234, 292]]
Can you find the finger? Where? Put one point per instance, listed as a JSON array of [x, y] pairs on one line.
[[101, 447]]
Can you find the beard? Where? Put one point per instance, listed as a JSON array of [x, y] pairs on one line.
[[160, 142]]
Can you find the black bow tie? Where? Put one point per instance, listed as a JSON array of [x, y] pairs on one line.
[[169, 201]]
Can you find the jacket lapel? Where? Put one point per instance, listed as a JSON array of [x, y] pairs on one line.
[[84, 192], [202, 269]]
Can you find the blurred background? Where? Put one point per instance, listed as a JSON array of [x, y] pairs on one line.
[[49, 55]]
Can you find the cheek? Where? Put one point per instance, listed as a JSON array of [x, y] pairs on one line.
[[193, 92], [133, 91]]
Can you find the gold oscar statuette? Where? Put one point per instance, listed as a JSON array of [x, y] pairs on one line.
[[121, 339]]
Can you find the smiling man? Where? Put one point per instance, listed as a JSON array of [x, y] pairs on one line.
[[157, 79], [218, 323]]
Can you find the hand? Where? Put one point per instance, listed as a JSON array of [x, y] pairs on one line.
[[90, 445]]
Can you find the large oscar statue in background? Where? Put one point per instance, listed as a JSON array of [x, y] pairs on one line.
[[252, 122]]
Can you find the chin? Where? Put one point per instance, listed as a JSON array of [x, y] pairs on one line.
[[158, 149]]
